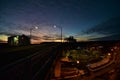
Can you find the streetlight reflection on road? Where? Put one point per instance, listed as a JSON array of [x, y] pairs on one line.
[[60, 30]]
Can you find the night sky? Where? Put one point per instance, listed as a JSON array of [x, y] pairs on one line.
[[83, 19]]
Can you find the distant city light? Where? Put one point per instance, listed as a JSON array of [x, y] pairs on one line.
[[109, 54], [78, 62]]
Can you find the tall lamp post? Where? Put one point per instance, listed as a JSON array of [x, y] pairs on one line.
[[60, 30], [58, 65], [31, 32]]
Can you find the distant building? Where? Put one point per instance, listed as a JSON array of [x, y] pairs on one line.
[[18, 40]]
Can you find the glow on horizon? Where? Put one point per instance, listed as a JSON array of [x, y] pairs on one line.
[[3, 38], [41, 40], [38, 37]]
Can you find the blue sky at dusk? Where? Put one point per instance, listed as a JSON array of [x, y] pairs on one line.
[[83, 19]]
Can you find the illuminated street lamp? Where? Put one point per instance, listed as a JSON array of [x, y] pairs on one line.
[[60, 30], [31, 32]]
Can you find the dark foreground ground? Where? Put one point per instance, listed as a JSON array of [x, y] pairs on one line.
[[36, 62]]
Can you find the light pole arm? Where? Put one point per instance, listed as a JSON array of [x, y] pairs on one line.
[[30, 34]]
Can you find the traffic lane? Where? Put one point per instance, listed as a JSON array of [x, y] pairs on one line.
[[26, 68], [6, 58], [44, 69]]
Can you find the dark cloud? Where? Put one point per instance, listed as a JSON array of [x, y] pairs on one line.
[[13, 25], [55, 37], [110, 27], [107, 27], [111, 37], [35, 37], [8, 33], [47, 37]]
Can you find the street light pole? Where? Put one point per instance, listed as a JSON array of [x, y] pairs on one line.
[[31, 33], [61, 34], [60, 30]]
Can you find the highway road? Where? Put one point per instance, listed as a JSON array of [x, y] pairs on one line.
[[28, 64]]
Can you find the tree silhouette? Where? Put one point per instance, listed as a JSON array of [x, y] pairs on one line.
[[70, 39]]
